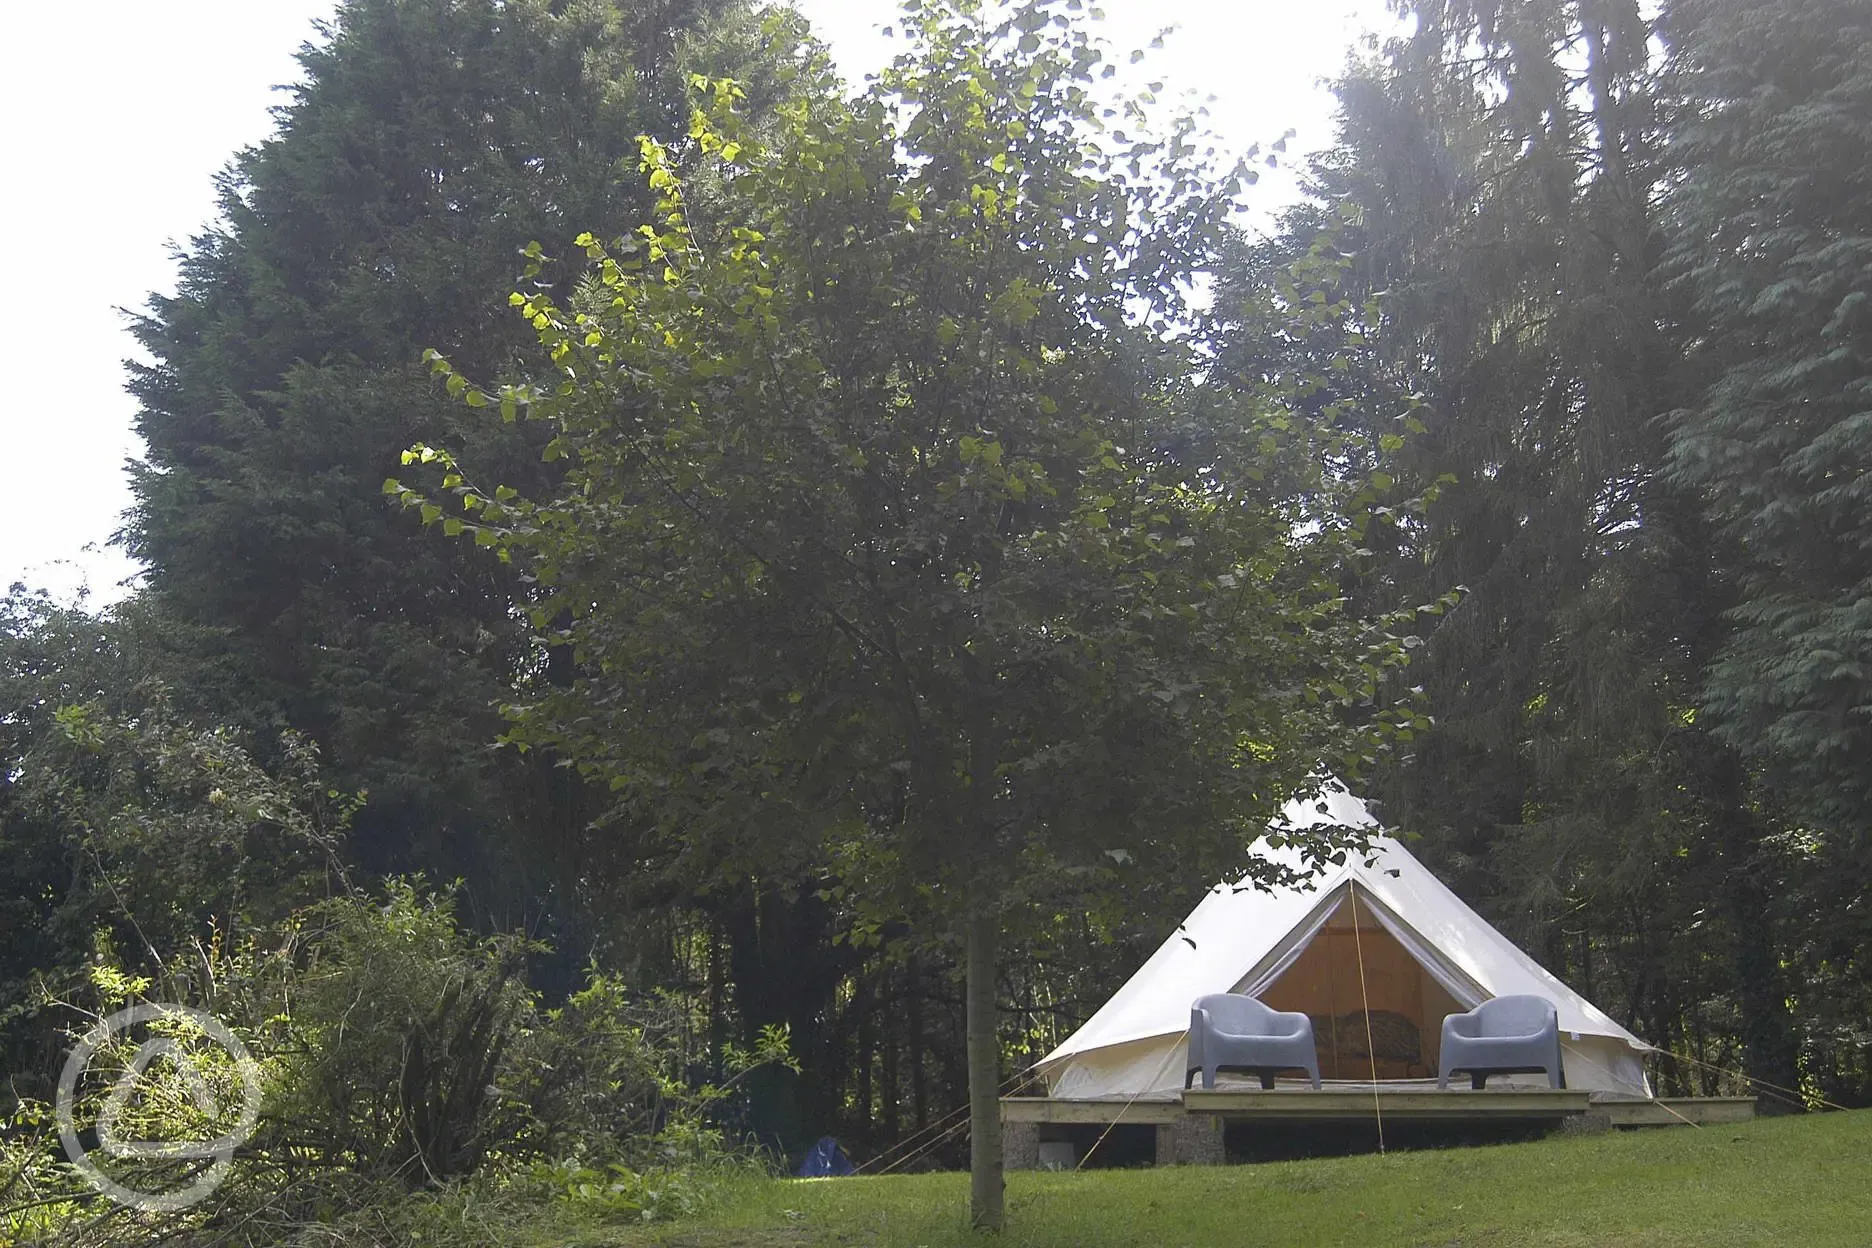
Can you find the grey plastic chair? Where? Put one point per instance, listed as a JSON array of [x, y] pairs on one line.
[[1505, 1036], [1229, 1031]]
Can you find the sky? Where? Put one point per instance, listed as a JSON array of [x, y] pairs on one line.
[[113, 148]]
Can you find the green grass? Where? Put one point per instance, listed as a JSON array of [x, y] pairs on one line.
[[1777, 1181]]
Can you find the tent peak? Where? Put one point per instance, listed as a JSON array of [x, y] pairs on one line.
[[1245, 936]]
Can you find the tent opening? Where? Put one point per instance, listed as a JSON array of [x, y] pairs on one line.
[[1407, 1004]]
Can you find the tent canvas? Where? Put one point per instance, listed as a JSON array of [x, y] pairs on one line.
[[1422, 951]]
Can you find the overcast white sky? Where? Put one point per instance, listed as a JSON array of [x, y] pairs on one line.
[[113, 125]]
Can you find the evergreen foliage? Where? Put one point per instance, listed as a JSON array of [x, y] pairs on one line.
[[1492, 208], [897, 595], [1770, 221], [428, 143]]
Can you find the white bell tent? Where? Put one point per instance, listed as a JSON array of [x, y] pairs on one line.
[[1376, 951]]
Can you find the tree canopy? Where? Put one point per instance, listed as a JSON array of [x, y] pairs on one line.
[[1770, 228], [429, 141], [875, 545], [847, 602]]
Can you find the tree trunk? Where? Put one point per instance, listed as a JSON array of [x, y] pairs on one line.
[[782, 967], [1770, 1046], [717, 1014], [919, 1081], [866, 1045], [984, 1076], [893, 1094], [1770, 1050]]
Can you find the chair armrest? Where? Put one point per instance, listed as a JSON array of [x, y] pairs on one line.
[[1297, 1023], [1546, 1029]]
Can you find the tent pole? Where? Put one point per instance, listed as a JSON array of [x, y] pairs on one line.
[[1371, 1047], [1332, 992]]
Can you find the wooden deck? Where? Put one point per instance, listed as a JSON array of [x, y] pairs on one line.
[[1677, 1111], [1402, 1105], [1189, 1124], [1306, 1105], [1045, 1109]]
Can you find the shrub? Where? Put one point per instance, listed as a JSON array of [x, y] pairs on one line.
[[406, 1069]]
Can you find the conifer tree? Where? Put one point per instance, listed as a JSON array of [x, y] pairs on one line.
[[1494, 197], [1769, 219], [1771, 240], [428, 143]]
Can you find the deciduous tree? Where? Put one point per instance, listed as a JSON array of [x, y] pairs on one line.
[[883, 543]]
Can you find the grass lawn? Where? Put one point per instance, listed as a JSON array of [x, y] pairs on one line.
[[1784, 1181]]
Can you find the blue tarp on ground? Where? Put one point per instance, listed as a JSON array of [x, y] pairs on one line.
[[825, 1160]]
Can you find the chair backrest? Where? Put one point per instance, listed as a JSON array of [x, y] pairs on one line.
[[1515, 1016], [1235, 1012]]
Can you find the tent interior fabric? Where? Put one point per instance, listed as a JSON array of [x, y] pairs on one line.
[[1377, 952], [1405, 1003]]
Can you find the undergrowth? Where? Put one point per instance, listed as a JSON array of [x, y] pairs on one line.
[[411, 1088]]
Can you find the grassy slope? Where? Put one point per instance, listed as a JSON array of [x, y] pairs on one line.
[[1780, 1181]]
